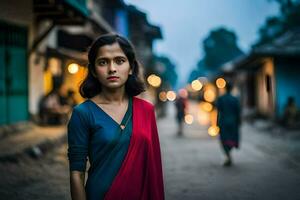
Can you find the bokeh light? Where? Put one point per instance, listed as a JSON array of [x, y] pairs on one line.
[[171, 95], [163, 96], [206, 106], [73, 68], [188, 119], [196, 85], [154, 80], [209, 95], [221, 83], [213, 131], [183, 93]]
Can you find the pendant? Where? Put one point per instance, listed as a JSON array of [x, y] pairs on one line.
[[122, 126]]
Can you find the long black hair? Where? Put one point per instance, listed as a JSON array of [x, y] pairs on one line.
[[91, 86]]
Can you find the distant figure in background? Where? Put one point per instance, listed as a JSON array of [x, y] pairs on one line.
[[291, 114], [229, 121], [51, 109], [69, 100], [181, 106]]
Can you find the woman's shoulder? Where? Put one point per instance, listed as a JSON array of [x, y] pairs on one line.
[[82, 108], [145, 104], [80, 111]]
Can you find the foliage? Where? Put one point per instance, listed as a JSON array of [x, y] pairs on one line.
[[220, 47], [288, 19]]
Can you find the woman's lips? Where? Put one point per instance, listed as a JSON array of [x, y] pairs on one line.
[[112, 78]]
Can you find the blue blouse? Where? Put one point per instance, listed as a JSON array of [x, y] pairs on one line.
[[95, 135]]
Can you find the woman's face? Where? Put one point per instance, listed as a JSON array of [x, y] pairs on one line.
[[112, 66]]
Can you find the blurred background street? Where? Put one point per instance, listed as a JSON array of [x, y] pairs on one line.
[[199, 60]]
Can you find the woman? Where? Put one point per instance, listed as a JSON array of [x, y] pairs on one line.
[[114, 129]]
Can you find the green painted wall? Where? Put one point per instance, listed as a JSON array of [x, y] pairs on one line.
[[13, 74]]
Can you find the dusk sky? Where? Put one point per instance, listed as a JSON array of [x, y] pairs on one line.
[[186, 23]]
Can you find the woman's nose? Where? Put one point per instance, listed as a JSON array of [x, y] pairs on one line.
[[112, 67]]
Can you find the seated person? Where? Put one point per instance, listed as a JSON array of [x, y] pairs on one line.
[[51, 110], [291, 114], [69, 100]]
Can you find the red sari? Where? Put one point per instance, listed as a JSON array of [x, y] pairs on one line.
[[140, 176]]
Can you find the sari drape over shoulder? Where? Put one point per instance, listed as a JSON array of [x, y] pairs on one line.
[[140, 177]]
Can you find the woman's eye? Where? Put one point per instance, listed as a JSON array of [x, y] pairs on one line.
[[102, 62], [120, 61]]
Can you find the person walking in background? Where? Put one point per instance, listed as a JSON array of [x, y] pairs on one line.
[[115, 130], [181, 107], [229, 121]]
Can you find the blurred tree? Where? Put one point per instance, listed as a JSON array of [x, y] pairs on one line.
[[271, 29], [220, 47], [285, 5], [289, 18]]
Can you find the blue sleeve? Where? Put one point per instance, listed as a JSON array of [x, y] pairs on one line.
[[78, 140]]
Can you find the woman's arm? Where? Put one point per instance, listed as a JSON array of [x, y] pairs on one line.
[[78, 142], [77, 180]]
